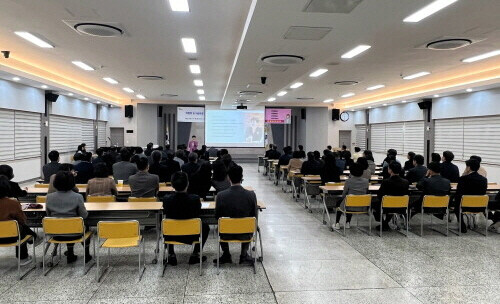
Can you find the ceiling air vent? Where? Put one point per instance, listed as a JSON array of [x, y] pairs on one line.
[[249, 93], [98, 29], [306, 33], [305, 98], [448, 44], [150, 77], [283, 59], [168, 95], [273, 68], [331, 6], [346, 82]]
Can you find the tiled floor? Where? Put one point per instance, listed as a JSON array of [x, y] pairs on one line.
[[304, 262]]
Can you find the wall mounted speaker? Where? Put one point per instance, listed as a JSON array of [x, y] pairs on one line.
[[49, 96], [129, 111], [425, 104], [302, 113], [335, 114]]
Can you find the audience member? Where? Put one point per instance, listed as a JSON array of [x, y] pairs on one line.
[[371, 161], [124, 169], [220, 180], [172, 166], [330, 172], [481, 170], [285, 158], [77, 158], [357, 153], [435, 184], [65, 168], [295, 163], [435, 157], [391, 155], [192, 166], [201, 180], [409, 163], [274, 154], [341, 163], [448, 169], [418, 172], [149, 149], [85, 169], [143, 184], [158, 168], [14, 189], [311, 166], [302, 152], [52, 167], [101, 184], [179, 155], [366, 168], [99, 158]]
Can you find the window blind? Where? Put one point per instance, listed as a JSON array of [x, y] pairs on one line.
[[7, 135], [361, 136], [88, 134], [414, 137], [402, 136], [482, 137], [27, 131], [65, 133], [378, 138], [394, 136], [449, 135], [101, 133]]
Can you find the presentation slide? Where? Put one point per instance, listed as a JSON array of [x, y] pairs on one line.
[[234, 128], [278, 116]]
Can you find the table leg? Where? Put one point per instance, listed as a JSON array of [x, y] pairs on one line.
[[157, 250]]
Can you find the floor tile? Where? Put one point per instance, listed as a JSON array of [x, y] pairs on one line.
[[255, 298]]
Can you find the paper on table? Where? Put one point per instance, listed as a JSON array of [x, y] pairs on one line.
[[205, 205]]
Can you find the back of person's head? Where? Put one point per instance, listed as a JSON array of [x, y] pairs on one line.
[[170, 155], [435, 157], [448, 156], [4, 186], [326, 152], [79, 148], [64, 181], [78, 156], [87, 156], [476, 157], [357, 149], [310, 156], [192, 157], [223, 152], [99, 152], [347, 154], [54, 155], [392, 152], [179, 153], [235, 174], [125, 154], [287, 150], [275, 147], [101, 170], [270, 146], [391, 158], [149, 146], [329, 161], [134, 159], [179, 147], [139, 150], [167, 147], [156, 156], [344, 147], [411, 155], [226, 160], [395, 167], [473, 164], [419, 159], [368, 155], [363, 162], [160, 148], [194, 136], [356, 169], [66, 167], [142, 163], [296, 154], [7, 171], [301, 147], [434, 167], [335, 155], [316, 154], [329, 147], [220, 171], [180, 181], [203, 147]]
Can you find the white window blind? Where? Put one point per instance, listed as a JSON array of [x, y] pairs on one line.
[[394, 136], [27, 135], [482, 137], [414, 137], [449, 135], [101, 133], [378, 138], [402, 136], [6, 135], [361, 136], [88, 134], [65, 133]]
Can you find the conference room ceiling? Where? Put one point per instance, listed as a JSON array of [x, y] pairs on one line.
[[233, 35]]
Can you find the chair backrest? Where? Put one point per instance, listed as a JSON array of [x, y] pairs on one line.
[[142, 199], [41, 199], [334, 184], [181, 227], [237, 225], [80, 186], [101, 199], [9, 229], [433, 201], [389, 201], [62, 226], [119, 229], [41, 185], [475, 201], [492, 183], [312, 175], [364, 200]]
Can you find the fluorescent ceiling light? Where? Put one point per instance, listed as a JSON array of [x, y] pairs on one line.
[[375, 87], [140, 96], [404, 101], [86, 98], [201, 97], [16, 78], [384, 104], [110, 80], [271, 99], [98, 102], [34, 39], [483, 56], [318, 72], [44, 86], [198, 82], [195, 69], [356, 51], [296, 85], [327, 100], [128, 90], [70, 94], [347, 95], [369, 107], [82, 65], [179, 5], [413, 76], [469, 90], [200, 91], [436, 96], [189, 45], [282, 93], [428, 10]]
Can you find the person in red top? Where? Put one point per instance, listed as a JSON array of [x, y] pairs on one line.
[[193, 144]]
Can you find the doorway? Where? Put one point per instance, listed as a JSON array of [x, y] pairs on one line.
[[345, 139], [117, 136]]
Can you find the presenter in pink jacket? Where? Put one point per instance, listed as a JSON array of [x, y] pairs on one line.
[[193, 144]]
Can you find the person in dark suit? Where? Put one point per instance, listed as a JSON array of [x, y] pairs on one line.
[[14, 189], [285, 158], [435, 184], [99, 158], [471, 184], [311, 166], [267, 151], [418, 172], [302, 153], [201, 181], [192, 165], [84, 169], [330, 172], [235, 202], [181, 206], [158, 168], [448, 169], [395, 185], [409, 164], [52, 167], [274, 154], [172, 166]]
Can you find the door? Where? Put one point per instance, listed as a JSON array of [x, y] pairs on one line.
[[345, 139], [117, 136]]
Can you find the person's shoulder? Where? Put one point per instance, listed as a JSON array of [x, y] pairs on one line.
[[193, 197]]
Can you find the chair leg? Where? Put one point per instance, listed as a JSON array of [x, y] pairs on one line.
[[261, 248], [201, 256], [345, 220], [255, 254], [460, 221], [486, 224], [96, 253], [218, 253], [447, 221], [370, 221], [407, 222]]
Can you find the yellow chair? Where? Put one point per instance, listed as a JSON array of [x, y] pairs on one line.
[[81, 186], [55, 227], [10, 229], [334, 184], [434, 205], [245, 225], [101, 199], [189, 227], [120, 234], [479, 203], [142, 199], [357, 201], [41, 185], [398, 202], [41, 199]]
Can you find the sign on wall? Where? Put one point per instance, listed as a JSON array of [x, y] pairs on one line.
[[190, 114], [278, 116]]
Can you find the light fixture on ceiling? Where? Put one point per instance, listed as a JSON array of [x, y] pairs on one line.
[[70, 94], [195, 69], [86, 98], [348, 95], [98, 102], [369, 107], [318, 73], [16, 78], [375, 87], [416, 75], [328, 100], [200, 91], [179, 5], [82, 65], [271, 99], [404, 101], [385, 105], [35, 40], [355, 51], [468, 90], [482, 56], [110, 80], [198, 82], [189, 45], [140, 96], [282, 93], [201, 97], [428, 10], [44, 86], [128, 90], [296, 85], [436, 95]]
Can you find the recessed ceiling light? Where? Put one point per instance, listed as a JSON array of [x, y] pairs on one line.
[[189, 45], [179, 5], [318, 73], [428, 10], [201, 97], [198, 82], [436, 96], [384, 104], [86, 98], [379, 86], [140, 96], [327, 100], [128, 90], [195, 69], [347, 95], [282, 93], [355, 51], [70, 94], [404, 101], [469, 90], [271, 99], [35, 40], [482, 56], [369, 107], [44, 86], [16, 78], [110, 80], [98, 102], [82, 65], [296, 85], [416, 75]]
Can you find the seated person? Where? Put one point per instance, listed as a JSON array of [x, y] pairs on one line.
[[158, 168], [180, 206], [220, 180], [66, 203], [341, 163], [172, 165], [302, 153], [235, 202], [409, 163], [355, 185], [85, 169], [371, 162], [330, 172], [77, 158], [144, 184], [285, 158], [448, 169], [391, 155], [435, 184], [52, 167], [192, 165], [357, 154], [418, 172], [123, 169], [65, 168], [179, 157], [435, 158], [274, 154], [14, 190], [363, 162], [101, 184], [311, 166], [481, 170], [98, 159], [201, 181], [11, 210], [295, 163]]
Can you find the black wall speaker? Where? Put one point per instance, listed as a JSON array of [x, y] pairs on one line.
[[302, 113], [425, 104], [335, 114], [129, 111], [160, 111], [49, 96]]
